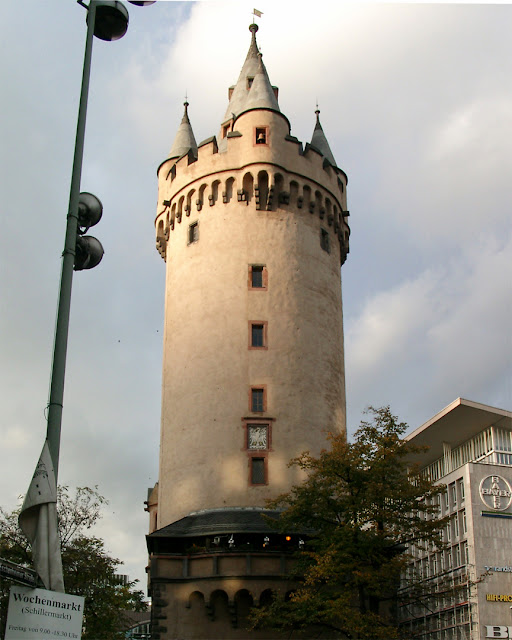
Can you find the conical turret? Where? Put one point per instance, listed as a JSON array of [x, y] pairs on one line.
[[320, 141], [184, 140], [261, 94], [253, 89]]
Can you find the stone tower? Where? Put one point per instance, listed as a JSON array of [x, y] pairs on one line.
[[252, 225]]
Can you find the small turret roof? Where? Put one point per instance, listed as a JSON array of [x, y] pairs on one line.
[[261, 94], [184, 140], [253, 89], [320, 141]]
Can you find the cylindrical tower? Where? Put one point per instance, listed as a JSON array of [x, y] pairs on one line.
[[252, 226]]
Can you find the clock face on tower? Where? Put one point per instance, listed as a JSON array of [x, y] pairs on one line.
[[257, 436]]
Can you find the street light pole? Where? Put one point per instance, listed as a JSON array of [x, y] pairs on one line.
[[107, 20], [55, 402]]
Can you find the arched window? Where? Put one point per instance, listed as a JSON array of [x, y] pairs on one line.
[[266, 598], [173, 215], [228, 193], [243, 601], [262, 190], [188, 206], [200, 199], [219, 605], [196, 602], [248, 186], [294, 191], [306, 195], [180, 208], [214, 195]]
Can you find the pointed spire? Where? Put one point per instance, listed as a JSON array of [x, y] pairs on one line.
[[184, 140], [320, 141], [261, 93], [253, 88]]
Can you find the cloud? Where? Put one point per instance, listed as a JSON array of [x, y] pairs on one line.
[[415, 101], [442, 334]]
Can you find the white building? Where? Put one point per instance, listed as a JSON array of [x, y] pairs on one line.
[[469, 451]]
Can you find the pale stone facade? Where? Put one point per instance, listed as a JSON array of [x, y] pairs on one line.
[[253, 228]]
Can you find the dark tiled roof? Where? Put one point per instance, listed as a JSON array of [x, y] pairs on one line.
[[220, 521]]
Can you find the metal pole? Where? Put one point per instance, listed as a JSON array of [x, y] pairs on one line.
[[55, 402]]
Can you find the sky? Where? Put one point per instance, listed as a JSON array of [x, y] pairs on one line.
[[416, 103]]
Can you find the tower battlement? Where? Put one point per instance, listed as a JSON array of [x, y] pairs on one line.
[[277, 174]]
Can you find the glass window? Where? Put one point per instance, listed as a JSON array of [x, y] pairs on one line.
[[457, 556], [461, 490], [465, 552], [257, 399], [257, 335], [256, 277], [257, 470]]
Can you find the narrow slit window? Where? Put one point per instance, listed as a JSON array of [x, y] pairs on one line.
[[193, 232], [324, 240]]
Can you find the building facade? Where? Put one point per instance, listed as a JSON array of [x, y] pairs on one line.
[[469, 451], [252, 225]]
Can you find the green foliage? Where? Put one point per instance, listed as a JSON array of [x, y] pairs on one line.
[[366, 504], [88, 569]]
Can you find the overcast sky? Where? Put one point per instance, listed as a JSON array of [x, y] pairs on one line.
[[416, 102]]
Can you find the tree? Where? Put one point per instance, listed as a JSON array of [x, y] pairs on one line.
[[88, 569], [366, 504]]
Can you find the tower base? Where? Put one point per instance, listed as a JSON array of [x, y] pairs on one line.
[[208, 570]]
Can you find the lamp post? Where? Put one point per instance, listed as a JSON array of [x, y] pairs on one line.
[[107, 20]]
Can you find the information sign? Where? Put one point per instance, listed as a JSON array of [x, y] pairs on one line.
[[36, 614]]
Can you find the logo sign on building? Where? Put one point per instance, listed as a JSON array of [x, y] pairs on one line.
[[496, 631], [496, 493], [36, 613]]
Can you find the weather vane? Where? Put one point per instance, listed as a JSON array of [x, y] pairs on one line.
[[256, 13]]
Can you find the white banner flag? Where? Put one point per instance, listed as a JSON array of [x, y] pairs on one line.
[[38, 521]]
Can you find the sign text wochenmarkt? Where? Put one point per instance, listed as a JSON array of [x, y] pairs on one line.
[[36, 613]]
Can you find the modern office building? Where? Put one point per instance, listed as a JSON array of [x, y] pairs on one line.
[[252, 225], [469, 451]]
